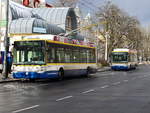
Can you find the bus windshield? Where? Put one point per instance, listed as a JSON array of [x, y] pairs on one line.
[[29, 53], [120, 57]]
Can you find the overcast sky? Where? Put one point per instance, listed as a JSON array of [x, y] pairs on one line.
[[138, 8]]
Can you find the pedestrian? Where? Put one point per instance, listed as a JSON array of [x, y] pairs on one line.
[[9, 61]]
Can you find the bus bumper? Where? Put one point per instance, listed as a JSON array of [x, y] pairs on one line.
[[35, 75], [119, 67]]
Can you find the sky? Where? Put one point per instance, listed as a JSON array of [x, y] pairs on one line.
[[136, 8]]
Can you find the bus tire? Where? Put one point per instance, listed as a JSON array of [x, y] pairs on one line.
[[60, 74], [32, 80]]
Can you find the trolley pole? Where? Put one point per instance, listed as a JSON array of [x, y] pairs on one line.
[[6, 44]]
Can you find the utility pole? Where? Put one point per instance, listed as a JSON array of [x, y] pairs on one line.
[[106, 48], [6, 44], [96, 52], [106, 45]]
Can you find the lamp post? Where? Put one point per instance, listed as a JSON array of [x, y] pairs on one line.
[[6, 44]]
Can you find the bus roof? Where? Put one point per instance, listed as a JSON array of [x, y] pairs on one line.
[[56, 42], [124, 50], [121, 50]]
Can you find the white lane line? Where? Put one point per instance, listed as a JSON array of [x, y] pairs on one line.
[[88, 91], [116, 83], [140, 76], [125, 80], [92, 74], [20, 110], [134, 78], [67, 97], [41, 85], [105, 86], [145, 75]]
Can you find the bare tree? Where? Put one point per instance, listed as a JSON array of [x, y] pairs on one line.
[[124, 30]]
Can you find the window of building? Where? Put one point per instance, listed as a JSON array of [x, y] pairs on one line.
[[69, 23]]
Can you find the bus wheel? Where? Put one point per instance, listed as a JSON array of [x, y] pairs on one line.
[[61, 74], [32, 80]]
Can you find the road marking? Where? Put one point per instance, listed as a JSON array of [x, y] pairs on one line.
[[105, 86], [41, 85], [116, 83], [125, 80], [20, 110], [88, 91], [145, 75], [67, 97], [92, 74], [134, 78]]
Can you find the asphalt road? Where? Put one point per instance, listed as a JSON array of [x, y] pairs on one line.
[[103, 92]]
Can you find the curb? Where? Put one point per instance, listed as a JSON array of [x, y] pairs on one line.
[[9, 80]]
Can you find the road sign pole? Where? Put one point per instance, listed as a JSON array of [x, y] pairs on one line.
[[6, 44]]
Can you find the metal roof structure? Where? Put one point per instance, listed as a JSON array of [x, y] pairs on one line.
[[19, 11], [33, 25], [53, 20], [57, 16]]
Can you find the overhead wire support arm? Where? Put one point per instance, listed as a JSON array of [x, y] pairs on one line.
[[83, 28]]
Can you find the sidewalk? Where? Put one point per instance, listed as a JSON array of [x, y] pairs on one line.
[[144, 62], [9, 79], [102, 69]]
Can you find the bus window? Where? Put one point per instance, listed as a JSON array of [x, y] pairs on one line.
[[75, 56], [51, 55], [92, 56], [88, 56], [68, 55], [60, 55], [83, 55]]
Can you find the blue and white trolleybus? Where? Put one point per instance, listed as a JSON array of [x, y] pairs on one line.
[[45, 56], [123, 59]]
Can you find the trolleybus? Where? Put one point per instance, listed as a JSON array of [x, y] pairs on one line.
[[47, 56], [123, 59]]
